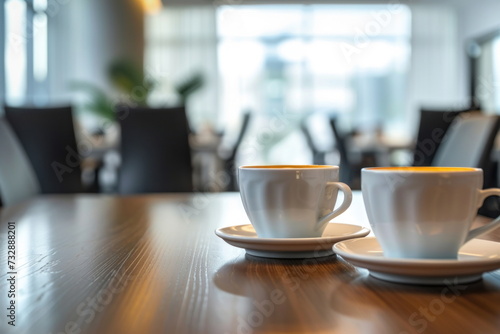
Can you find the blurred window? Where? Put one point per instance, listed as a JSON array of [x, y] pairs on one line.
[[488, 75], [25, 51], [284, 62], [181, 42], [349, 59]]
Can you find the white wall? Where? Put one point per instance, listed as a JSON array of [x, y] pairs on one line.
[[434, 78], [85, 36], [473, 18], [479, 17], [476, 18]]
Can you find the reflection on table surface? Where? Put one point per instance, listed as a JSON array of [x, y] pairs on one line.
[[152, 264]]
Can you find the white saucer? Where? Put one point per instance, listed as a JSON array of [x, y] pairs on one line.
[[475, 257], [244, 236]]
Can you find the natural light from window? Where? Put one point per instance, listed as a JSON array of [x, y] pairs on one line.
[[290, 61], [15, 51], [285, 64]]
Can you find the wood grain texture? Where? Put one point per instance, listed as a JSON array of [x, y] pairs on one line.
[[152, 264]]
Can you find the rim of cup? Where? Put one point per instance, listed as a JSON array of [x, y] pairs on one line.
[[276, 167], [422, 169]]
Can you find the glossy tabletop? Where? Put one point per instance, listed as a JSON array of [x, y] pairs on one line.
[[152, 264]]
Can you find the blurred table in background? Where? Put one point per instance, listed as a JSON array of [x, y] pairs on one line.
[[381, 150], [206, 162], [101, 160]]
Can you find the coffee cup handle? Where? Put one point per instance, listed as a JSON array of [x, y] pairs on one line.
[[483, 194], [345, 204]]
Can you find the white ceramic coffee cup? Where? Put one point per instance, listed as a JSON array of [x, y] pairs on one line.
[[424, 212], [295, 201]]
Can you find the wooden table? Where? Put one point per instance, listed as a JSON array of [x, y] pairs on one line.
[[152, 264]]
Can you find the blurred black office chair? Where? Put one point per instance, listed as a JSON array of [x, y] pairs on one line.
[[17, 177], [48, 138], [155, 151], [432, 128], [319, 156], [347, 168], [229, 159], [469, 143]]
